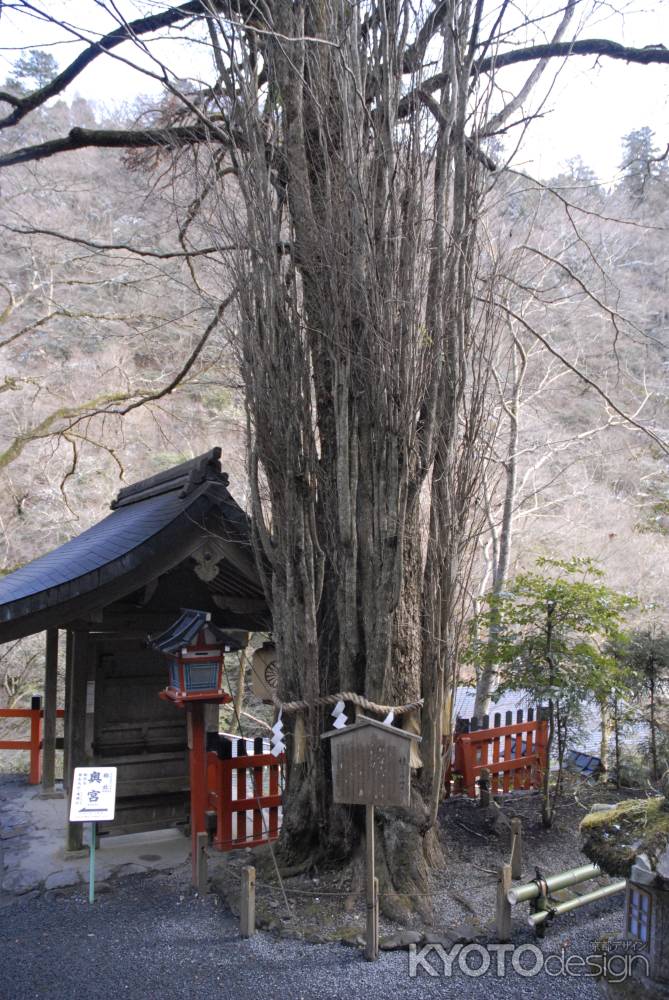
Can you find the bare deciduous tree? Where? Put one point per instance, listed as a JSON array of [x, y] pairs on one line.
[[340, 146]]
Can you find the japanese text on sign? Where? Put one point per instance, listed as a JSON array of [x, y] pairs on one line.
[[93, 794]]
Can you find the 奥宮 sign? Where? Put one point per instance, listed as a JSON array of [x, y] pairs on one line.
[[93, 794]]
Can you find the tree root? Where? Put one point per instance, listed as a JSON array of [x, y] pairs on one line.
[[406, 857]]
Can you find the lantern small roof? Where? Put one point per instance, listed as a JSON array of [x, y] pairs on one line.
[[185, 630], [363, 722]]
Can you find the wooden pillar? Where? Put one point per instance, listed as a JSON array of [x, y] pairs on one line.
[[67, 726], [50, 706], [198, 778], [77, 756]]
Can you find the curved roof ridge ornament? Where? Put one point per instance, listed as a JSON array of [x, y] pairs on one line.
[[184, 477]]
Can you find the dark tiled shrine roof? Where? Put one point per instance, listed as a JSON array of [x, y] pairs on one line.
[[154, 525]]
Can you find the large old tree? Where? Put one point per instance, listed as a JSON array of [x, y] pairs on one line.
[[337, 165]]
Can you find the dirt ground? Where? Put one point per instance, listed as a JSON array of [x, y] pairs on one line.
[[322, 905]]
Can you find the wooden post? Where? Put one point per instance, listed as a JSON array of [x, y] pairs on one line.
[[223, 836], [247, 904], [468, 764], [35, 739], [372, 943], [91, 862], [202, 842], [50, 705], [77, 727], [485, 777], [198, 779], [503, 908], [274, 775], [516, 848]]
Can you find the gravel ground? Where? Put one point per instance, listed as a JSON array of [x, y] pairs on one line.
[[150, 936]]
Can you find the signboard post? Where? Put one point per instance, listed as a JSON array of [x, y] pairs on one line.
[[93, 799], [371, 766]]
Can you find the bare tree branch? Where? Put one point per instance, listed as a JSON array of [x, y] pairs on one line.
[[560, 50], [439, 115], [192, 358], [72, 416], [159, 254], [628, 418], [81, 138], [122, 33], [580, 47], [534, 77], [414, 53]]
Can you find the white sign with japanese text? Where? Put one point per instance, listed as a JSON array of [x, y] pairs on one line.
[[93, 794]]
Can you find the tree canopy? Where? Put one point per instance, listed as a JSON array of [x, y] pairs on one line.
[[551, 630]]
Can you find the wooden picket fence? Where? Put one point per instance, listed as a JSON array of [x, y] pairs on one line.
[[35, 743], [244, 783], [515, 753]]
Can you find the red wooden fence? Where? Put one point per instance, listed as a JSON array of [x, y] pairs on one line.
[[244, 791], [35, 743], [513, 753]]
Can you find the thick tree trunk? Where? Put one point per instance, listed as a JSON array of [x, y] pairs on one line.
[[353, 348]]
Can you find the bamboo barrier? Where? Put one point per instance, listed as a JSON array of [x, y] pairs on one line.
[[555, 910], [524, 893], [538, 892]]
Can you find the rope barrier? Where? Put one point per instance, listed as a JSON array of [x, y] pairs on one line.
[[289, 707], [275, 889]]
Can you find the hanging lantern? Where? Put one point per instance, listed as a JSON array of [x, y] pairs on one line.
[[196, 650], [265, 672]]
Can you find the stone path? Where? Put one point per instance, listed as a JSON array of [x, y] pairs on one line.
[[32, 853]]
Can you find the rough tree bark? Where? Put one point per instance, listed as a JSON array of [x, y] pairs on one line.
[[365, 325]]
